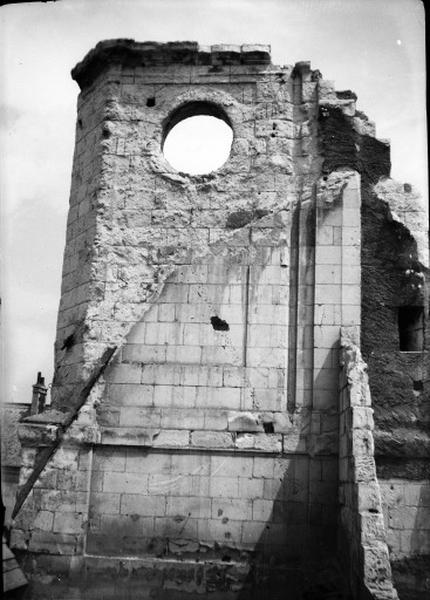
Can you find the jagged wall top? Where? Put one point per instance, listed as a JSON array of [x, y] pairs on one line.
[[130, 53]]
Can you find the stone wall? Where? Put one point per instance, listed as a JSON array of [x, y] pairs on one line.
[[394, 274], [396, 279], [11, 413], [212, 438], [363, 538]]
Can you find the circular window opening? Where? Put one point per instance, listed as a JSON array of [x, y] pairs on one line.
[[197, 143]]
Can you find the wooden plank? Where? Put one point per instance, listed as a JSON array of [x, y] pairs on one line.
[[13, 577], [7, 552], [48, 452]]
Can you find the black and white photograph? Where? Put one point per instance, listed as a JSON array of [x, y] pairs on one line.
[[214, 318]]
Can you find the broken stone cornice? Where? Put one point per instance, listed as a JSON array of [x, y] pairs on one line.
[[129, 53]]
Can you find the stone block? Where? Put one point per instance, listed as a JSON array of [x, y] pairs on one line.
[[190, 464], [170, 395], [262, 510], [125, 373], [196, 507], [18, 539], [212, 439], [145, 353], [325, 236], [72, 480], [178, 528], [140, 417], [231, 466], [328, 274], [268, 399], [263, 467], [216, 420], [55, 543], [149, 506], [224, 397], [328, 255], [226, 532], [351, 235], [372, 528], [368, 497], [140, 460], [184, 418], [362, 417], [171, 438], [235, 509], [362, 442], [417, 494], [57, 500], [131, 394], [250, 488], [183, 354], [293, 443], [68, 522], [179, 485], [326, 378], [351, 294], [351, 256], [377, 570], [223, 487], [128, 436], [44, 520], [351, 314], [405, 517], [244, 421], [104, 503], [134, 483], [109, 459]]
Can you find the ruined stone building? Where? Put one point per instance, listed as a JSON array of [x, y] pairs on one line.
[[241, 395]]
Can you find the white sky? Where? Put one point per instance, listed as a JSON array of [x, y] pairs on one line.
[[373, 47]]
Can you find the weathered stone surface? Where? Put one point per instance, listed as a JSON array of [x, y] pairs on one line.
[[128, 53], [363, 529], [221, 431]]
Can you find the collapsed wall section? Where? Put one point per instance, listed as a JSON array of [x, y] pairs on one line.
[[362, 535], [394, 335]]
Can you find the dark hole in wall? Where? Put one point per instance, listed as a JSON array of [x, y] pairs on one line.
[[219, 325], [68, 342], [268, 428], [411, 328], [150, 101], [238, 219], [418, 385]]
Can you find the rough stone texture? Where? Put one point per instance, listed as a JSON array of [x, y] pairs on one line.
[[11, 414], [394, 273], [362, 532], [210, 448]]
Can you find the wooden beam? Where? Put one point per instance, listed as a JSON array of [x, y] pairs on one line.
[[44, 456]]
